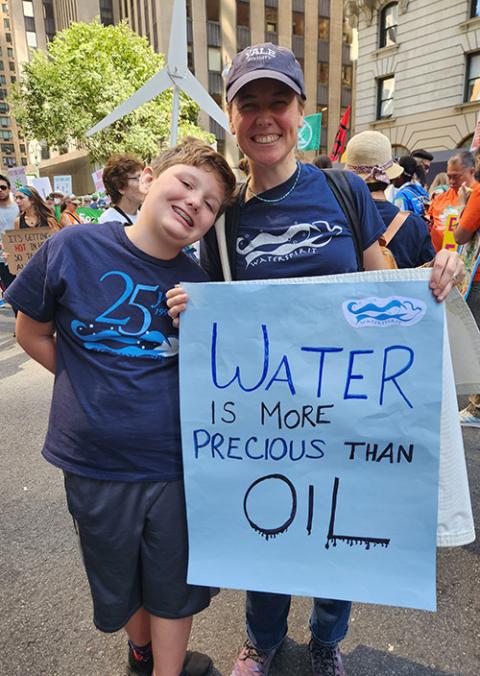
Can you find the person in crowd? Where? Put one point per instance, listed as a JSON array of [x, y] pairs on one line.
[[439, 185], [55, 201], [34, 211], [121, 177], [424, 159], [461, 180], [69, 211], [323, 162], [265, 95], [94, 202], [118, 443], [465, 230], [410, 194], [8, 216], [369, 155]]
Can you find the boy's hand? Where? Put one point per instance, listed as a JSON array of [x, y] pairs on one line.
[[448, 271], [177, 301]]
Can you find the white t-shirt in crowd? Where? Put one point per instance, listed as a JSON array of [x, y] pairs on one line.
[[8, 215], [111, 214]]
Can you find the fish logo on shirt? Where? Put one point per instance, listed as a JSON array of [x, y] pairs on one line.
[[299, 235]]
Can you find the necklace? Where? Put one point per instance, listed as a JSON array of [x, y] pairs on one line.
[[279, 199]]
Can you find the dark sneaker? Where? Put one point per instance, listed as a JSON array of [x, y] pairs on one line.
[[326, 660], [253, 662], [138, 663]]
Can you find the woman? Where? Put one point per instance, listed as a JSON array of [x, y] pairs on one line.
[[68, 211], [266, 99], [121, 180], [34, 212]]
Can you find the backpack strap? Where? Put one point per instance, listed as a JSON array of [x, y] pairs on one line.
[[339, 184], [393, 227], [125, 216], [220, 227], [226, 230]]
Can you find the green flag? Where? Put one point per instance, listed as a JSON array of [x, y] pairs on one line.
[[309, 134]]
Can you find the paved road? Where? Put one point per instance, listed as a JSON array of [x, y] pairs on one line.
[[45, 626]]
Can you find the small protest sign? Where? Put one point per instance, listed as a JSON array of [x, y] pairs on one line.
[[42, 185], [63, 184], [451, 222], [311, 456], [17, 177], [21, 244], [97, 180]]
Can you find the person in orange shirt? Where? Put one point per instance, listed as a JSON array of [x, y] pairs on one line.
[[460, 171], [469, 224]]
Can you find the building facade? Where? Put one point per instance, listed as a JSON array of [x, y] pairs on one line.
[[418, 71]]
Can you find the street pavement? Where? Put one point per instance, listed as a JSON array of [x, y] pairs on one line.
[[45, 621]]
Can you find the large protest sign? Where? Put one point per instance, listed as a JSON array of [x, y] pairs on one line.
[[310, 433], [22, 244]]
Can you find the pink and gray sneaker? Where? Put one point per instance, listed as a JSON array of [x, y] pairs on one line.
[[253, 662]]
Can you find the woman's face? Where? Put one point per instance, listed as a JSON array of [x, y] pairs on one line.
[[23, 201], [132, 188], [265, 117]]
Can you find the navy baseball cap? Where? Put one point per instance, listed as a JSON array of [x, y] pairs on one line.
[[265, 61]]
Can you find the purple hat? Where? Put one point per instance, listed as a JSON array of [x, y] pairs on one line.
[[265, 61]]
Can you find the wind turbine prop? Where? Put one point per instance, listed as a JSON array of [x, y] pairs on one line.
[[176, 75]]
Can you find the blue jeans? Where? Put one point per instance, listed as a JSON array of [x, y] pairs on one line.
[[267, 616]]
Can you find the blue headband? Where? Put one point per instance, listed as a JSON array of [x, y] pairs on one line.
[[26, 191]]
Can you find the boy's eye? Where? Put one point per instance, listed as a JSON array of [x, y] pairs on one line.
[[209, 206], [186, 184]]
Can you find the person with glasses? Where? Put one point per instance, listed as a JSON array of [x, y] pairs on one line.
[[8, 215], [121, 180]]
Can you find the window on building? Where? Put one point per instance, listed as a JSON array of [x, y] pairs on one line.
[[13, 78], [472, 88], [22, 148], [322, 73], [29, 24], [9, 161], [7, 148], [324, 111], [27, 8], [4, 121], [8, 37], [6, 23], [190, 61], [11, 65], [106, 12], [243, 13], [323, 28], [6, 135], [24, 161], [271, 19], [347, 76], [2, 66], [386, 90], [215, 59], [9, 52], [475, 8], [388, 25], [3, 79], [31, 39], [213, 10], [3, 107], [298, 23], [4, 8]]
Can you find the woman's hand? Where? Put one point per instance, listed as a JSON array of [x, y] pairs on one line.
[[448, 271], [177, 301]]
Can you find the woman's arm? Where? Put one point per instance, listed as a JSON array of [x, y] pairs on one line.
[[37, 339]]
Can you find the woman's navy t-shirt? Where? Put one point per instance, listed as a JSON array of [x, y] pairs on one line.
[[306, 234], [115, 405]]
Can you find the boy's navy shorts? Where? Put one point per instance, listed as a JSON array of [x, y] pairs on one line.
[[133, 538]]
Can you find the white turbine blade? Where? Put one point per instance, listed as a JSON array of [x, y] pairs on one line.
[[177, 46], [153, 87], [194, 89]]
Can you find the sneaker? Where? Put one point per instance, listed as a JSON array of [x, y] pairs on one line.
[[138, 663], [253, 662], [467, 419], [326, 660]]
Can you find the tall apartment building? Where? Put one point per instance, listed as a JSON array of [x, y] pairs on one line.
[[217, 29], [418, 71]]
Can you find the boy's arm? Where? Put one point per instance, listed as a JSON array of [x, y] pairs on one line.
[[37, 339]]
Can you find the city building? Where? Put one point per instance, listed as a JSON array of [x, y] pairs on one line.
[[418, 71]]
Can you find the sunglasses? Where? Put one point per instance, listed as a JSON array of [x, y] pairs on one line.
[[4, 187]]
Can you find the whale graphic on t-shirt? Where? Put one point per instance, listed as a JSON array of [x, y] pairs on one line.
[[313, 235]]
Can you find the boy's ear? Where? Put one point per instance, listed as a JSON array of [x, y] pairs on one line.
[[146, 180]]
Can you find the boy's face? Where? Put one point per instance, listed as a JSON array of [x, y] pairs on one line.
[[182, 203]]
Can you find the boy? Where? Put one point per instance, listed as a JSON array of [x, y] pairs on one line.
[[114, 422]]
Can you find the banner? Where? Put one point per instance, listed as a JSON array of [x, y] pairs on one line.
[[311, 454], [309, 135], [62, 184], [22, 244]]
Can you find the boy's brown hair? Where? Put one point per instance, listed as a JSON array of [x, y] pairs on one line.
[[195, 153], [117, 172]]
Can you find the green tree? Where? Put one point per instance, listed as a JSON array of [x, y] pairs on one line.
[[88, 71]]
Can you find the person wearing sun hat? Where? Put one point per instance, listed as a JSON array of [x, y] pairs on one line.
[[369, 155], [265, 94]]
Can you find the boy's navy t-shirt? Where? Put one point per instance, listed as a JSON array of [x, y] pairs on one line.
[[306, 233], [115, 406]]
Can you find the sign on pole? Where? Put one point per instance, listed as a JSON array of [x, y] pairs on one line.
[[63, 184], [17, 177], [311, 457], [309, 135]]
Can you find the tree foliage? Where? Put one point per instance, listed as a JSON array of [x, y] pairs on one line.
[[89, 69]]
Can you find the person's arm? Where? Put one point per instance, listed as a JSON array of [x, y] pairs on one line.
[[461, 235], [37, 339], [469, 220]]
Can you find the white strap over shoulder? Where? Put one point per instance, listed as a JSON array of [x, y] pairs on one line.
[[222, 248]]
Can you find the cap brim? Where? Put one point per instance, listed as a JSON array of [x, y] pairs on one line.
[[243, 80]]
